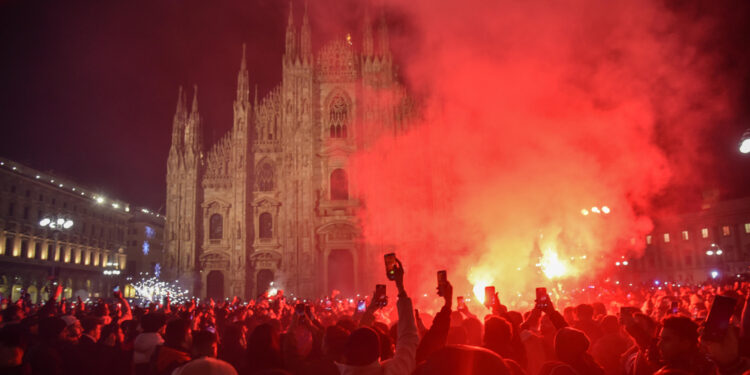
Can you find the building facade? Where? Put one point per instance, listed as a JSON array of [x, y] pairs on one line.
[[145, 244], [52, 228], [272, 200], [694, 247]]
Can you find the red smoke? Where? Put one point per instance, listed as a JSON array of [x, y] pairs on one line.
[[529, 113]]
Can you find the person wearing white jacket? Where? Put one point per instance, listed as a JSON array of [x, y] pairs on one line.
[[362, 354]]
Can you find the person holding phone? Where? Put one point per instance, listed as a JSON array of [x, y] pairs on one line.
[[437, 335], [362, 352]]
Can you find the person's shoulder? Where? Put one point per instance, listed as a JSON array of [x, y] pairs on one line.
[[206, 365]]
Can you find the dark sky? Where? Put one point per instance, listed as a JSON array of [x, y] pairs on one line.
[[88, 88]]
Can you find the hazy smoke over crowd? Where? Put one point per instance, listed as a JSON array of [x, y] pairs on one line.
[[531, 112]]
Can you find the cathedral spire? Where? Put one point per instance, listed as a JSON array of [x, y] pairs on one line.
[[305, 39], [193, 131], [243, 84], [383, 35], [291, 38], [367, 44], [178, 123]]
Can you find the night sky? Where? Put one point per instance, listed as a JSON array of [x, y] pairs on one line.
[[88, 88]]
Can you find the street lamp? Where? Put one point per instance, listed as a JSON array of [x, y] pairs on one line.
[[745, 142], [56, 222]]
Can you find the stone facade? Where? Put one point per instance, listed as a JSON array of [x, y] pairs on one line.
[[76, 254], [271, 201]]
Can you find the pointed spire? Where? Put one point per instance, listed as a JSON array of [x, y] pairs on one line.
[[291, 39], [367, 44], [243, 64], [305, 38], [243, 85], [383, 31], [255, 101], [195, 99], [178, 123]]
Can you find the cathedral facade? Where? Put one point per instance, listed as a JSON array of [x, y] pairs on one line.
[[271, 204]]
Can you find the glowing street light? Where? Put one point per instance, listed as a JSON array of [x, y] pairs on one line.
[[56, 223], [745, 142], [605, 209], [584, 212]]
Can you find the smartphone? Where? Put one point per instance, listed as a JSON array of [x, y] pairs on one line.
[[542, 299], [299, 309], [380, 292], [361, 306], [116, 289], [442, 279], [390, 266], [717, 322], [460, 303], [489, 296]]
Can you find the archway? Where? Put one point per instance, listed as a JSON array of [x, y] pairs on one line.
[[215, 285], [341, 272], [264, 279]]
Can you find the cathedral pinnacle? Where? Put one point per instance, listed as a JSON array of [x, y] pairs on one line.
[[367, 45], [305, 39], [195, 99], [243, 86], [291, 39], [383, 31]]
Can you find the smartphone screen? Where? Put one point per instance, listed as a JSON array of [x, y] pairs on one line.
[[361, 306], [390, 266], [717, 322], [542, 298], [116, 289], [380, 292], [489, 296], [460, 303]]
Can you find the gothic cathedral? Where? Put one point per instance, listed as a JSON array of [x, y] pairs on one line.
[[271, 204]]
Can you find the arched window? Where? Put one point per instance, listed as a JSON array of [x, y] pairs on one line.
[[265, 225], [339, 185], [338, 113], [216, 229], [265, 177]]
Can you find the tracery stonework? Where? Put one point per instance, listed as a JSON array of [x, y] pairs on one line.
[[277, 161]]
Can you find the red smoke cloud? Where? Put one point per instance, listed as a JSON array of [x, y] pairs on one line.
[[531, 112]]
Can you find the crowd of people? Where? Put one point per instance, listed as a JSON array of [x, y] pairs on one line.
[[665, 330]]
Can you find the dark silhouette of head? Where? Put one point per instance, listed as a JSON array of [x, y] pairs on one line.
[[153, 322], [584, 312], [177, 334], [497, 331], [570, 344], [463, 360], [362, 347]]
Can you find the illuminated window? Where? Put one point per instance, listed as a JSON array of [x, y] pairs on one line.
[[666, 237], [265, 177], [265, 225], [216, 230], [648, 240], [726, 231], [704, 232], [685, 235], [747, 228], [339, 185]]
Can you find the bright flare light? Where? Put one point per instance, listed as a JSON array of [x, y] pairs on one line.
[[552, 266], [745, 144], [480, 281]]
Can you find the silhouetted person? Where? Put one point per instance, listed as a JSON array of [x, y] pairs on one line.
[[146, 342], [263, 349], [678, 347], [204, 358], [174, 352], [571, 346]]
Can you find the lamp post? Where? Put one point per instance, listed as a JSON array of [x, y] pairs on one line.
[[745, 142], [57, 224]]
